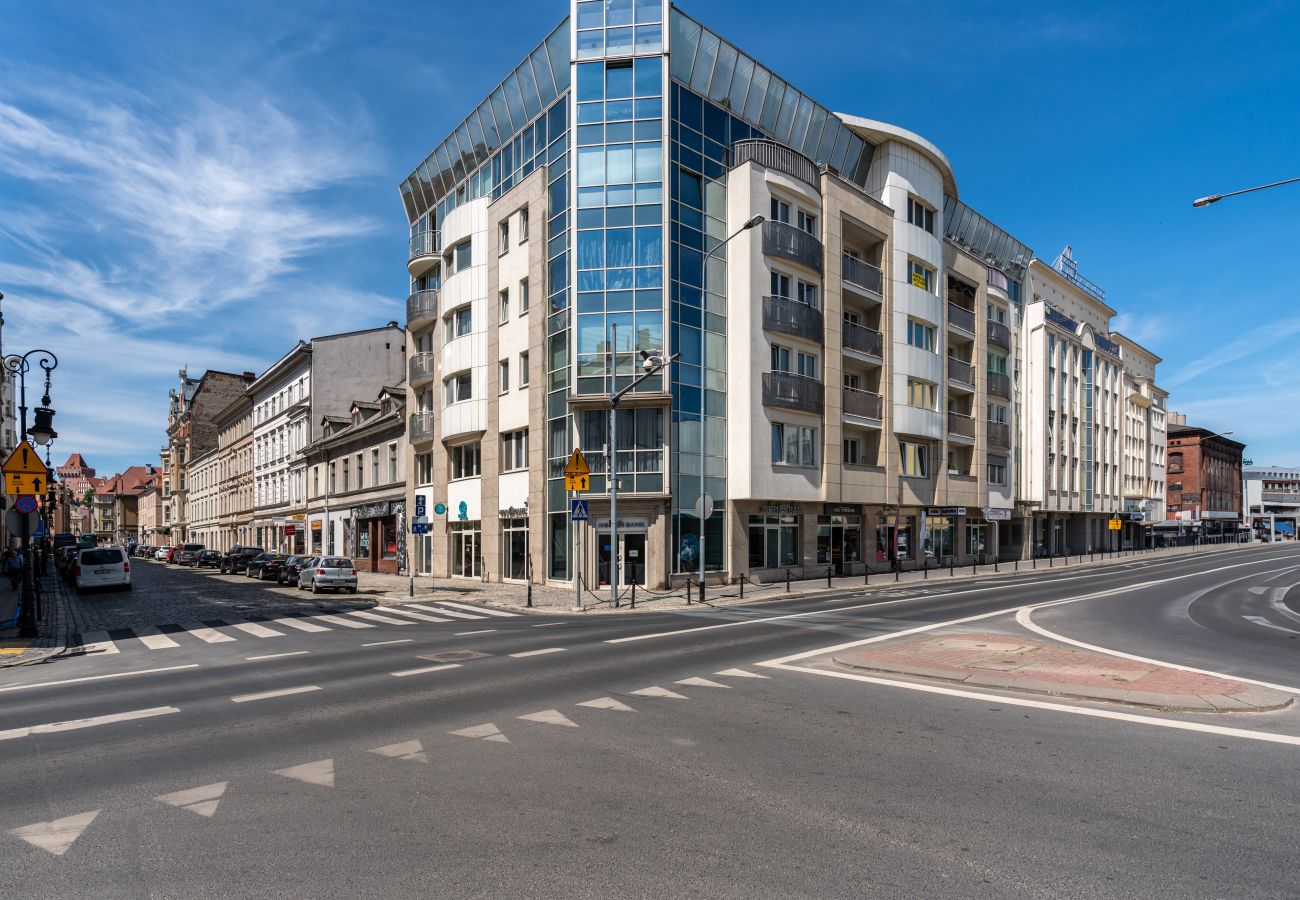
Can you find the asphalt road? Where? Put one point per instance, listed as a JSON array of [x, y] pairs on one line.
[[547, 756]]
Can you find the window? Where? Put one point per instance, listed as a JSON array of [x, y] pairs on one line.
[[808, 293], [997, 314], [503, 238], [795, 362], [464, 460], [1175, 462], [315, 481], [780, 285], [913, 460], [461, 256], [333, 478], [773, 541], [514, 450], [504, 375], [523, 225], [503, 300], [392, 463], [780, 211], [997, 470], [374, 467], [920, 276], [853, 455], [794, 445], [807, 222], [997, 413], [347, 479], [523, 296], [920, 215], [997, 362], [360, 471], [922, 394], [523, 369], [424, 468], [459, 387], [920, 334]]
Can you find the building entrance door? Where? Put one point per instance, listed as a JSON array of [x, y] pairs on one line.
[[632, 564]]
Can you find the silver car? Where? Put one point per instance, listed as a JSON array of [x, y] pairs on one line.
[[335, 573]]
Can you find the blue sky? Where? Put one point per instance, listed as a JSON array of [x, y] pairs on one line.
[[199, 185]]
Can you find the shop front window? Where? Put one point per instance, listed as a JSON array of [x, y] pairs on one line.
[[773, 541], [514, 549], [885, 540], [466, 549], [390, 538], [938, 539], [977, 539]]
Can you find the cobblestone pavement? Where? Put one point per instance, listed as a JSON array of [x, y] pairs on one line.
[[163, 594]]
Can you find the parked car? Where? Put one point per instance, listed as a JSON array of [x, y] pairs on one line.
[[189, 552], [236, 560], [292, 568], [265, 565], [64, 559], [334, 573], [161, 553], [102, 567], [208, 559]]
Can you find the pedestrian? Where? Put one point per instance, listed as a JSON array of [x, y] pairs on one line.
[[13, 568]]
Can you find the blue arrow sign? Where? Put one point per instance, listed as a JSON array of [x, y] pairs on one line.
[[579, 512]]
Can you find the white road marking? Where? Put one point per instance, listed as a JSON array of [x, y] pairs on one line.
[[444, 612], [320, 772], [376, 617], [538, 652], [76, 724], [478, 610], [98, 642], [201, 800], [386, 643], [549, 624], [346, 623], [300, 624], [282, 692], [657, 691], [739, 673], [550, 717], [422, 671], [22, 687], [154, 639], [485, 732], [409, 750], [410, 613], [606, 703], [256, 629], [57, 836], [483, 631], [702, 682], [1003, 700], [203, 633], [1260, 620], [1278, 602], [279, 655]]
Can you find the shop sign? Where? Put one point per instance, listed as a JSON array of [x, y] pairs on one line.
[[278, 520], [298, 517], [624, 524], [316, 524], [780, 509], [946, 511], [993, 514], [373, 510], [514, 512], [843, 509]]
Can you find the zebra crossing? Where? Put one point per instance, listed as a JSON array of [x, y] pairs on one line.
[[222, 631]]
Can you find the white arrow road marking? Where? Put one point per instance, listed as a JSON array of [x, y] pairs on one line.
[[550, 717], [485, 732], [702, 682], [320, 772], [739, 673], [56, 836], [1260, 620], [657, 691], [412, 750], [202, 800], [606, 703]]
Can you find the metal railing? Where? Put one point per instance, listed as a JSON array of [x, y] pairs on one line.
[[959, 317], [961, 424], [998, 280], [426, 243], [863, 340], [999, 385], [790, 391], [961, 372], [999, 334], [862, 403], [794, 244], [419, 427], [861, 274], [999, 435], [421, 306], [778, 157], [792, 317], [420, 368]]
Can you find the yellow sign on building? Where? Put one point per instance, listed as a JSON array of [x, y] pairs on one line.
[[1116, 524]]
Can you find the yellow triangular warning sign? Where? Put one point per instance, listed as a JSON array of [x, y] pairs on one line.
[[24, 461], [577, 464]]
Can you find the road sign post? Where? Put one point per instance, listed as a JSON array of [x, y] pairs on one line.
[[577, 478]]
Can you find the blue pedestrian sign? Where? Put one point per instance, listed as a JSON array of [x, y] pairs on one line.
[[579, 511], [420, 528]]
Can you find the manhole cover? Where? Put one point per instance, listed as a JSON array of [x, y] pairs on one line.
[[454, 655]]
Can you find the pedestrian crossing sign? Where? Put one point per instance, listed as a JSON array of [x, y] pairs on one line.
[[579, 511]]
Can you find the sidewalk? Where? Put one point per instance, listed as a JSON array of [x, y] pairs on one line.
[[1011, 662], [52, 629], [389, 589]]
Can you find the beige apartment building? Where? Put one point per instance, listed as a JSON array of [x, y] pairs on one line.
[[234, 426]]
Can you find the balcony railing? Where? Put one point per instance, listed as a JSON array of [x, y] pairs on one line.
[[790, 391], [421, 369], [421, 307], [861, 274], [959, 317], [961, 424], [999, 385], [961, 372], [863, 340], [998, 280], [999, 335], [861, 403], [794, 244], [999, 435], [792, 317], [777, 157], [426, 243], [419, 428]]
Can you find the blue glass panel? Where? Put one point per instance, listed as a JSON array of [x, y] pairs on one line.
[[591, 134], [618, 81], [542, 72], [649, 247], [515, 101], [686, 38], [688, 345], [591, 112], [649, 109], [776, 91], [648, 129], [618, 41], [720, 85], [591, 44], [591, 196], [618, 12], [650, 278], [618, 279], [528, 88], [649, 193], [648, 11], [649, 330], [649, 38], [618, 132], [591, 218], [557, 49], [618, 247], [618, 217], [618, 301], [740, 83], [813, 140], [591, 281], [649, 78], [690, 111], [589, 302], [649, 161], [753, 108], [489, 125], [618, 163], [591, 249], [591, 14], [649, 299], [800, 125], [619, 195], [502, 113], [652, 214], [591, 165], [705, 59], [558, 277], [591, 81], [616, 110], [591, 334]]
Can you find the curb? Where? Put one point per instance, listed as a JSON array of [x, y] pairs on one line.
[[59, 642]]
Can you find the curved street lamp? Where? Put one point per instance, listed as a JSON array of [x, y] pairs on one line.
[[1215, 198]]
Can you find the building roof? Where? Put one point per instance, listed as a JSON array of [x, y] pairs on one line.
[[877, 133], [1201, 434], [75, 461]]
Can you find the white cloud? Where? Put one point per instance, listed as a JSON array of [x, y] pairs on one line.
[[1256, 341]]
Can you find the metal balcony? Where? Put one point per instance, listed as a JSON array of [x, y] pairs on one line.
[[792, 317], [961, 372], [961, 424], [958, 317], [999, 435], [790, 391], [856, 273], [863, 340], [999, 335], [863, 404], [999, 385], [420, 369], [419, 427], [421, 308], [426, 250], [787, 242], [777, 157]]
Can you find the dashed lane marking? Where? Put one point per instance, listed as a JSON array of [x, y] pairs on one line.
[[550, 624], [481, 631], [278, 655], [386, 643], [23, 687], [77, 724], [424, 670], [538, 652], [282, 692], [606, 703]]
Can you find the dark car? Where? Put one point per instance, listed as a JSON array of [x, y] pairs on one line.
[[64, 559], [265, 565], [208, 559], [189, 553], [236, 560], [292, 568]]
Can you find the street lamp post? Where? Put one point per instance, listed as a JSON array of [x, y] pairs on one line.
[[1215, 198], [702, 511], [42, 432]]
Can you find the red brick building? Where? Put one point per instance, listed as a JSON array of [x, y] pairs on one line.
[[1204, 479]]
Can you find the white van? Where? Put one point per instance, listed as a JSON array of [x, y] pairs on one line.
[[105, 567]]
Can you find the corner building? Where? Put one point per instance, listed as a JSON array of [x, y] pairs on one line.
[[843, 387]]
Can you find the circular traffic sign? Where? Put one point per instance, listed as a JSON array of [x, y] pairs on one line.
[[440, 508], [25, 504]]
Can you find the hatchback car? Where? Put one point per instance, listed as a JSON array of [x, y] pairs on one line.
[[102, 567], [265, 565], [189, 553], [292, 568], [161, 553], [208, 559], [334, 573]]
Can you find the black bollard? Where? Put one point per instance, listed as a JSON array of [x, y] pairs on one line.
[[828, 576], [634, 595], [787, 581], [688, 591]]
